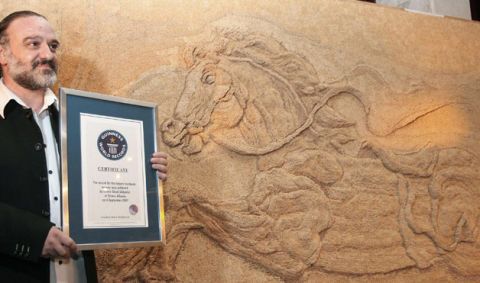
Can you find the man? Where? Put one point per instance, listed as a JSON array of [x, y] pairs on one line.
[[29, 164]]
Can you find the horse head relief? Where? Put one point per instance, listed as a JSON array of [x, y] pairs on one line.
[[221, 102]]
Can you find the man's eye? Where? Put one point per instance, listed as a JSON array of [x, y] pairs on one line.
[[34, 44], [54, 46]]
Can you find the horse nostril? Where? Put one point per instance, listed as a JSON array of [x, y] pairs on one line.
[[173, 132], [167, 125]]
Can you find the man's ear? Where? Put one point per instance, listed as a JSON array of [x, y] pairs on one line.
[[3, 55]]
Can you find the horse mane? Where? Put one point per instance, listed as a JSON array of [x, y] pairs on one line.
[[292, 85], [264, 51]]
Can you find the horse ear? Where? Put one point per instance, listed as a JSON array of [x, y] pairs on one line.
[[192, 54]]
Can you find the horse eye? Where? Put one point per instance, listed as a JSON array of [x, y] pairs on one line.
[[208, 79]]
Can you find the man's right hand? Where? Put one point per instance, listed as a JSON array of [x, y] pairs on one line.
[[58, 245]]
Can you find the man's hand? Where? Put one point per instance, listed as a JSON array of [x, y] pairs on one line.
[[159, 163], [59, 245]]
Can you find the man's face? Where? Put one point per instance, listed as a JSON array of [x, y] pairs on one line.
[[29, 57]]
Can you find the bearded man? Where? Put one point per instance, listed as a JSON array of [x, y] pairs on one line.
[[32, 246]]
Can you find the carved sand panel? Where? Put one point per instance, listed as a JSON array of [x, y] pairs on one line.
[[318, 188], [309, 141]]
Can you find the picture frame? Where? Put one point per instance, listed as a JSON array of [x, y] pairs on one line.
[[111, 196]]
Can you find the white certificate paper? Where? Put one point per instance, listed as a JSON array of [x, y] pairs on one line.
[[113, 172]]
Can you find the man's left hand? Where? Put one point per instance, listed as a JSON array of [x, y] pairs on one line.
[[159, 163]]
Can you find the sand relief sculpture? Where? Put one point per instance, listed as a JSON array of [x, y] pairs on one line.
[[328, 195]]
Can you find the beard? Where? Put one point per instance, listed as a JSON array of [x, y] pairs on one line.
[[30, 76]]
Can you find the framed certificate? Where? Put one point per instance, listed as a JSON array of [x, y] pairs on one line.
[[111, 196]]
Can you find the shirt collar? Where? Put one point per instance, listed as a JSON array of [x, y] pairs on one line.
[[6, 95]]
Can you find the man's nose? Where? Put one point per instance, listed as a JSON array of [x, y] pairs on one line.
[[46, 52]]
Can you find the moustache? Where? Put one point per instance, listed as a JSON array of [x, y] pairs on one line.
[[51, 63]]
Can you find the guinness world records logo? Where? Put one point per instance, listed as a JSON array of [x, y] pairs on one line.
[[112, 144]]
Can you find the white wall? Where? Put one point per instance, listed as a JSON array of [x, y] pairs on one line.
[[454, 8]]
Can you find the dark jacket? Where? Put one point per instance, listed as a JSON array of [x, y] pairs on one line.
[[24, 198]]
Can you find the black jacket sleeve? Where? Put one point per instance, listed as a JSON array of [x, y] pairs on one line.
[[23, 233]]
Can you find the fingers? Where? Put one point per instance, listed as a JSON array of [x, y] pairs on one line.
[[160, 154], [58, 244], [159, 163], [162, 176], [67, 243], [59, 250], [159, 167], [159, 158]]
